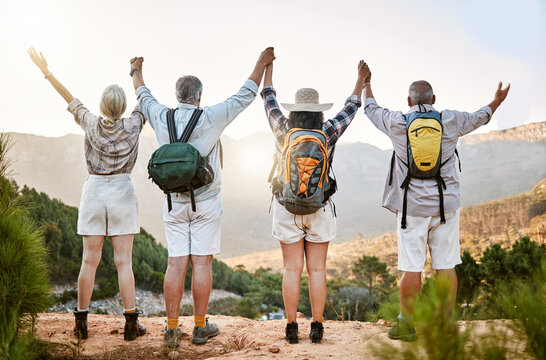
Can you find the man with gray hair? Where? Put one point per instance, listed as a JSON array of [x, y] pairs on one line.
[[194, 236], [427, 207]]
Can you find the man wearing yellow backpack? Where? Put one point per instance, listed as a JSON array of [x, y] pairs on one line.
[[422, 187]]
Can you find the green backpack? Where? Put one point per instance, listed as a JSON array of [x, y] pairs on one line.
[[178, 166]]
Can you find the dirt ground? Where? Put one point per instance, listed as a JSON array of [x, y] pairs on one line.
[[239, 338]]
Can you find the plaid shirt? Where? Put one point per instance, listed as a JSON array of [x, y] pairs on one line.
[[333, 128], [111, 147]]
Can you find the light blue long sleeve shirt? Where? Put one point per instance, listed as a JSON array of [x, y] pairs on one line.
[[423, 197], [206, 135]]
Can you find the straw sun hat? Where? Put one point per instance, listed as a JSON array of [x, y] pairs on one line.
[[307, 99]]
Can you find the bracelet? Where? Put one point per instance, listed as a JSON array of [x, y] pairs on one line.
[[46, 76], [132, 71]]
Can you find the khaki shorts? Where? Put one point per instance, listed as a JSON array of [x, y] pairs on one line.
[[193, 233], [319, 227], [108, 206], [442, 240]]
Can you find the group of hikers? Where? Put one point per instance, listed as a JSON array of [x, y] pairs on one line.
[[422, 188]]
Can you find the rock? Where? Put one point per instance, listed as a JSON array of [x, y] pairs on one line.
[[115, 331], [300, 315], [381, 322], [50, 333], [274, 349], [174, 355], [356, 326]]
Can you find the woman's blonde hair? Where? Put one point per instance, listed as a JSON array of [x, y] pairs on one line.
[[113, 102]]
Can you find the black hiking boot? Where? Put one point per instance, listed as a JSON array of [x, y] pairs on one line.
[[291, 332], [201, 336], [80, 329], [317, 330], [132, 327]]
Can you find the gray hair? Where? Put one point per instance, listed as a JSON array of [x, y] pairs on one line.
[[188, 88], [421, 91]]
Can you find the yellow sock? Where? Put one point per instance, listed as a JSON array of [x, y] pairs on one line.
[[200, 321], [172, 324], [130, 311]]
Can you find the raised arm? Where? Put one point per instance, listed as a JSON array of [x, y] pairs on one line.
[[380, 117], [41, 62], [500, 95], [277, 121], [136, 72], [335, 127], [267, 56]]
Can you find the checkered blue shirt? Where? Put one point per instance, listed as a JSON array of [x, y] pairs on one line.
[[333, 128]]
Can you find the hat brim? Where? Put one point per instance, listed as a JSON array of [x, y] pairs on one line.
[[307, 107]]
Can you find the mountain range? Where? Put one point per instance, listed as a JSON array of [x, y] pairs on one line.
[[494, 165]]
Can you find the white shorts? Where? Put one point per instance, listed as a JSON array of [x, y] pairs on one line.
[[193, 233], [108, 206], [319, 227], [442, 240]]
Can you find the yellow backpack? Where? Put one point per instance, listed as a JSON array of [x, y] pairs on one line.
[[424, 132]]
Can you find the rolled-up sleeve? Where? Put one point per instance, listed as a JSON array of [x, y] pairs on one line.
[[225, 112], [277, 121], [468, 122], [335, 127], [82, 115], [380, 117], [150, 107]]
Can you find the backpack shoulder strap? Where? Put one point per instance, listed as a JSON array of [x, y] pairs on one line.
[[171, 127], [191, 125]]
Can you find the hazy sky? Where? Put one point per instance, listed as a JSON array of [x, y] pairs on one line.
[[462, 47]]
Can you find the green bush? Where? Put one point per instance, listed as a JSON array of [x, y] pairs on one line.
[[24, 283]]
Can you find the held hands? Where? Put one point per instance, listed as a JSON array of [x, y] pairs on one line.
[[501, 93], [39, 60], [267, 56], [364, 72]]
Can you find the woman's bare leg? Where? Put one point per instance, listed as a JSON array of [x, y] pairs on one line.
[[123, 258], [92, 248], [293, 265], [315, 258]]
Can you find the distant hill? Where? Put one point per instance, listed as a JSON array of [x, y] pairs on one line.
[[501, 221], [495, 165]]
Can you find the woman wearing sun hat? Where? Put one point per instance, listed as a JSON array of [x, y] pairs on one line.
[[306, 236]]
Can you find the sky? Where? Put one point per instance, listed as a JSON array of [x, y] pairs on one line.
[[463, 48]]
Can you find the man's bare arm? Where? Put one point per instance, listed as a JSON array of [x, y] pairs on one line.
[[266, 57], [500, 95]]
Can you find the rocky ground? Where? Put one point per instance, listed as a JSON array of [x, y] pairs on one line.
[[239, 338]]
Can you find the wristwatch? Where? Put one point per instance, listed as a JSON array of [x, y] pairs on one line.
[[132, 71]]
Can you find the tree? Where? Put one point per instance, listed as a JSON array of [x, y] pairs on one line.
[[493, 265], [469, 279], [373, 275]]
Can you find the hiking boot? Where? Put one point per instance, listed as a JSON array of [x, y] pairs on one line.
[[403, 331], [201, 336], [291, 332], [317, 330], [133, 328], [171, 337], [80, 329]]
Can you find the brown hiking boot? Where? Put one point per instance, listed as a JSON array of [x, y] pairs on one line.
[[133, 328], [80, 329]]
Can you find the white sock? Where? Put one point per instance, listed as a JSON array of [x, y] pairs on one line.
[[405, 318], [82, 310]]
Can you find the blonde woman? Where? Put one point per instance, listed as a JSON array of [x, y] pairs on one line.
[[108, 205]]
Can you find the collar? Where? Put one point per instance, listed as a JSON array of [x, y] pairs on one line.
[[416, 108], [186, 106]]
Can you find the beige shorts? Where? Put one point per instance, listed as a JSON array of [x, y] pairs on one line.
[[109, 206], [193, 233], [442, 240], [319, 227]]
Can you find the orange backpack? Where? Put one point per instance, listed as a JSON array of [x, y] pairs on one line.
[[302, 184]]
